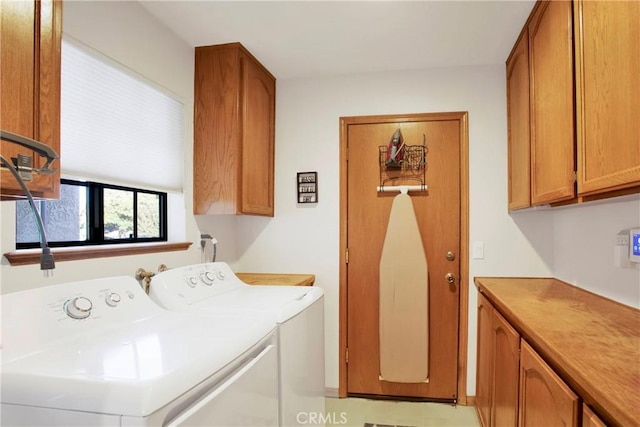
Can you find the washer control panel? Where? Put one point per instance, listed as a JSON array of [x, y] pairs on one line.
[[179, 288], [60, 312]]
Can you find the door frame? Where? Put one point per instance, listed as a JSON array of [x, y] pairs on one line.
[[463, 310]]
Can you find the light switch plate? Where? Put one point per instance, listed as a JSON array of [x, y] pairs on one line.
[[478, 250]]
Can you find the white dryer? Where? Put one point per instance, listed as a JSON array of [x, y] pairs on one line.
[[298, 311], [101, 353]]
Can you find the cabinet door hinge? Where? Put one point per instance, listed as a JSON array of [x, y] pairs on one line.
[[346, 355], [575, 176], [346, 256]]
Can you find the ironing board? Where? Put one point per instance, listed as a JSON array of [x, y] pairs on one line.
[[404, 298]]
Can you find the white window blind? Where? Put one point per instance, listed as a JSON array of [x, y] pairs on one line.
[[117, 128]]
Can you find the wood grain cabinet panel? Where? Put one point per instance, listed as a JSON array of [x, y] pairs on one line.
[[545, 400], [234, 130], [485, 358], [30, 54], [607, 35], [506, 372], [552, 98], [590, 419], [497, 373], [519, 146]]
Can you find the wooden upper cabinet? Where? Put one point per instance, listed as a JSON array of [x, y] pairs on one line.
[[552, 99], [518, 124], [31, 33], [545, 400], [607, 35], [234, 131]]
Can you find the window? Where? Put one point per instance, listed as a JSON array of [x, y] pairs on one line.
[[91, 213], [121, 140]]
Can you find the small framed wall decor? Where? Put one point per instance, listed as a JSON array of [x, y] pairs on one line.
[[307, 187]]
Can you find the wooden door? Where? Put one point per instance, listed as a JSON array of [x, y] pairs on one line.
[[552, 96], [545, 400], [438, 213], [519, 146], [608, 89], [504, 411], [484, 368]]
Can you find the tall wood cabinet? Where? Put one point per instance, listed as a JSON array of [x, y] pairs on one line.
[[582, 143], [30, 32], [234, 131]]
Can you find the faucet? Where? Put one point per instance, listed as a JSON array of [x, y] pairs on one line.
[[47, 262]]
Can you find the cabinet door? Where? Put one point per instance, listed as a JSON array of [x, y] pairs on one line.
[[545, 400], [484, 369], [552, 97], [506, 371], [30, 86], [216, 144], [608, 89], [518, 124], [590, 419], [258, 113]]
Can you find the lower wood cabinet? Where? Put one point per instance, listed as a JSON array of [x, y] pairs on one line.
[[545, 400], [505, 377], [590, 419], [514, 385], [497, 372]]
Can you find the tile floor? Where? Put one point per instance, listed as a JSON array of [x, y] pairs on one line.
[[355, 412]]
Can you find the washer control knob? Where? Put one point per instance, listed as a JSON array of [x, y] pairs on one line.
[[220, 274], [78, 308], [207, 278], [192, 282], [112, 299]]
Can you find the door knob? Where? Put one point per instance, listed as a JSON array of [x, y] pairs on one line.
[[450, 278]]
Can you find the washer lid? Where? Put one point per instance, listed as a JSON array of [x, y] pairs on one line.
[[134, 370], [282, 302]]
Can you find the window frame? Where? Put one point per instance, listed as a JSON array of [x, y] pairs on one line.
[[95, 217]]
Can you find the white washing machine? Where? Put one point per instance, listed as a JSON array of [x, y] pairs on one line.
[[101, 353], [298, 311]]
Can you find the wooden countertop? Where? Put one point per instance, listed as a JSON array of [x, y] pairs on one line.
[[592, 342], [277, 279]]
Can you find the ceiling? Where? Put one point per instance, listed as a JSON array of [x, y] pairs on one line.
[[302, 39]]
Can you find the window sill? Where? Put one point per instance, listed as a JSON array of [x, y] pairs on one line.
[[32, 256]]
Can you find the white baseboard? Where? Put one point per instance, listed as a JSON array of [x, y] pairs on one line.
[[331, 392]]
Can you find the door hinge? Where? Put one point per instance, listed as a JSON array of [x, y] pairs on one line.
[[346, 256], [575, 176], [346, 355]]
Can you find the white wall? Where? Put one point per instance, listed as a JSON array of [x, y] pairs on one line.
[[584, 239], [126, 33]]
